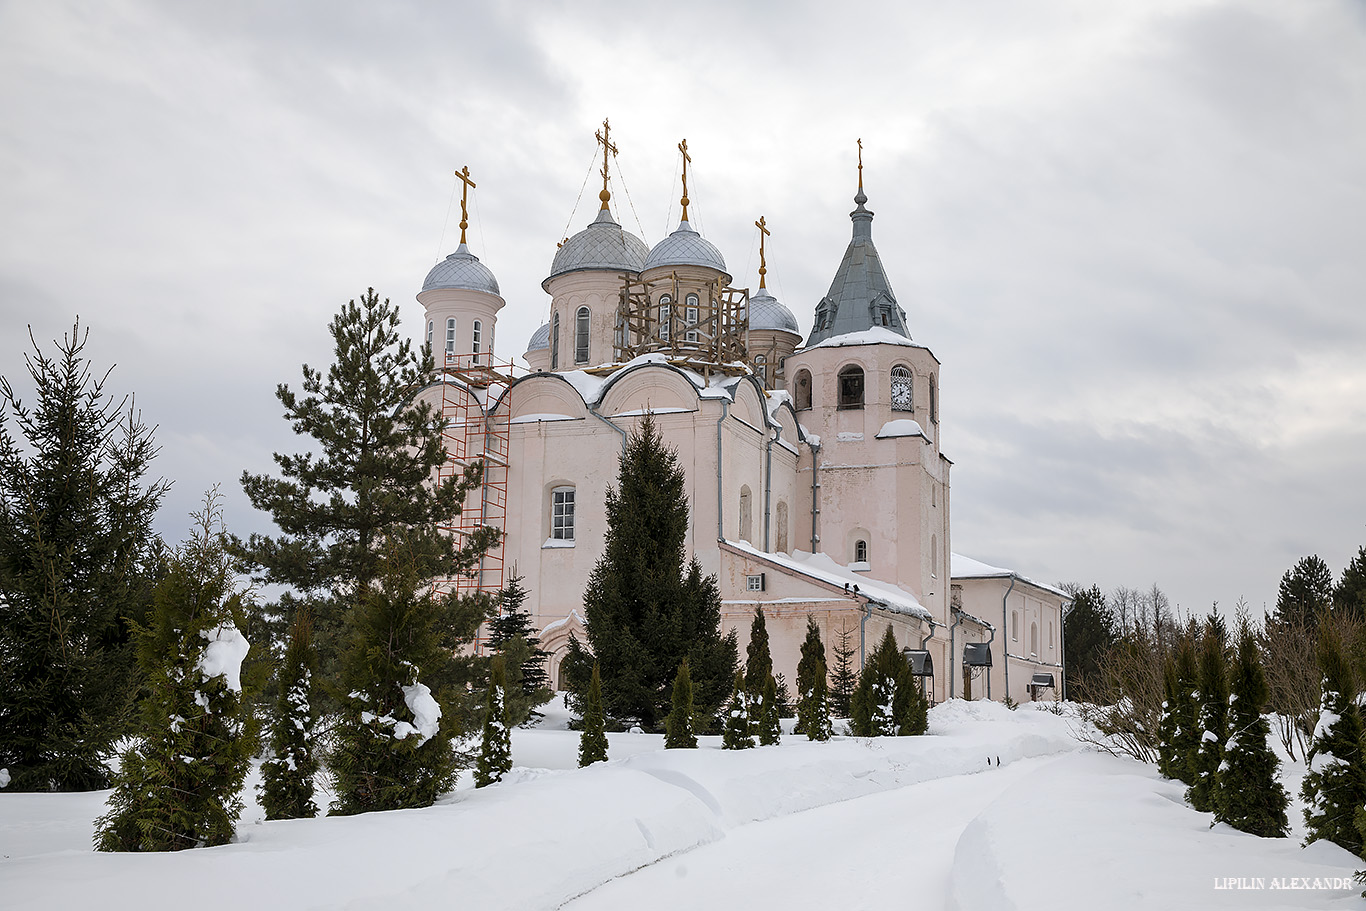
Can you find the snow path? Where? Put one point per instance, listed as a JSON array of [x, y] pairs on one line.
[[873, 851]]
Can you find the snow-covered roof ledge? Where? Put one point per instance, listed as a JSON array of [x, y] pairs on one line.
[[875, 335], [563, 621], [822, 568], [961, 567], [902, 427]]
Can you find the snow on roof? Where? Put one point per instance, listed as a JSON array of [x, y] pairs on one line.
[[556, 624], [588, 386], [961, 567], [903, 427], [876, 335], [820, 566]]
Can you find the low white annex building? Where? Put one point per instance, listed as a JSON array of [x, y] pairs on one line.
[[815, 478]]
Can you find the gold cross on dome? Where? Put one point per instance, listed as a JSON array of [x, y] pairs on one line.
[[464, 175], [683, 147], [604, 137], [763, 232], [860, 164]]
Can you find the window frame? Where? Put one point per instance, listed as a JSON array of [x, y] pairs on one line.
[[563, 500], [477, 334], [450, 336], [555, 340], [582, 326]]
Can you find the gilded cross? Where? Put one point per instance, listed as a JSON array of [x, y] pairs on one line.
[[763, 232], [605, 139], [683, 147], [464, 175]]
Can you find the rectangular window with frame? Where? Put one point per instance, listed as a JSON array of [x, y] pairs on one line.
[[754, 583], [562, 514]]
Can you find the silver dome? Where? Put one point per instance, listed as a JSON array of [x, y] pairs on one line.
[[540, 339], [602, 246], [767, 312], [685, 247], [462, 269]]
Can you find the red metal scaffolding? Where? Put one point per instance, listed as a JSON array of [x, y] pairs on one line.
[[471, 385]]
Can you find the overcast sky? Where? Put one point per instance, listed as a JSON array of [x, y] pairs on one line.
[[1134, 234]]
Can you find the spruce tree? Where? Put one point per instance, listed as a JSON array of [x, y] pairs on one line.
[[514, 621], [593, 740], [1212, 722], [1184, 710], [818, 709], [402, 680], [736, 733], [180, 784], [678, 726], [1166, 725], [844, 678], [1349, 595], [769, 729], [368, 474], [287, 774], [813, 657], [1089, 631], [1305, 594], [645, 609], [785, 706], [874, 701], [1250, 796], [911, 708], [1334, 788], [495, 747], [78, 563], [758, 660]]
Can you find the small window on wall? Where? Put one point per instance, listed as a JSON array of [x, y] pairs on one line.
[[478, 337], [555, 341], [431, 329], [450, 336], [665, 312], [860, 551], [562, 514], [802, 390], [761, 368], [902, 399], [851, 387], [691, 314], [754, 583], [581, 336]]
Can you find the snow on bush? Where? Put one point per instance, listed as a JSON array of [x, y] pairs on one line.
[[223, 655]]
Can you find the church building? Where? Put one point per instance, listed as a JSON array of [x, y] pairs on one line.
[[815, 478]]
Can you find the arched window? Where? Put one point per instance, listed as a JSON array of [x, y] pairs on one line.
[[450, 336], [851, 387], [1033, 638], [761, 368], [780, 545], [934, 401], [902, 382], [562, 514], [555, 341], [801, 387], [860, 551], [431, 329], [746, 515], [690, 314], [665, 311], [581, 336], [478, 337]]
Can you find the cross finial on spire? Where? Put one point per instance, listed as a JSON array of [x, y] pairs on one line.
[[683, 147], [605, 138], [860, 165], [763, 232], [464, 175]]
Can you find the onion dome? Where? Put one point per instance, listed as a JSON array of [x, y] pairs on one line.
[[685, 247], [462, 269], [540, 339], [602, 246], [767, 312]]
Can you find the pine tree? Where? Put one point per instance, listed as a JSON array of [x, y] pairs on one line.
[[495, 748], [874, 701], [1306, 593], [287, 775], [785, 706], [770, 730], [1212, 723], [1184, 710], [678, 727], [514, 621], [813, 657], [180, 785], [1349, 595], [758, 661], [1335, 787], [1089, 631], [844, 678], [593, 740], [645, 611], [378, 449], [736, 734], [1250, 797], [911, 708], [78, 563], [401, 676]]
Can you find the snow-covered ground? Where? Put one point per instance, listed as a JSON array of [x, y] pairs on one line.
[[995, 810]]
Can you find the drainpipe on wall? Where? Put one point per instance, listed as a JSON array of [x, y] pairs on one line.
[[768, 486], [593, 410], [1005, 643], [933, 625], [989, 641], [720, 499], [958, 618], [862, 648], [815, 494]]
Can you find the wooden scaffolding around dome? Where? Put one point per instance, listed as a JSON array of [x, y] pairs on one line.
[[700, 324], [475, 432]]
